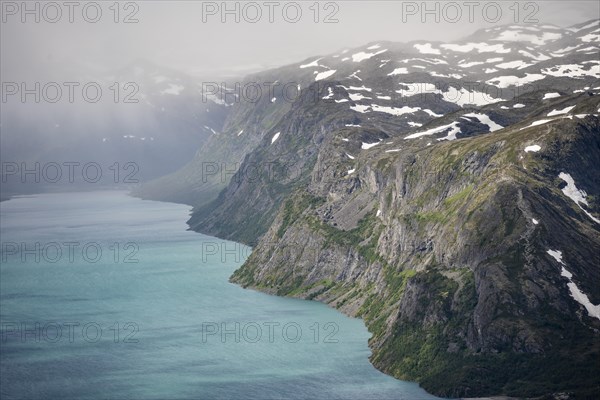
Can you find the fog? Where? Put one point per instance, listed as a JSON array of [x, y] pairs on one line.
[[154, 45], [203, 40]]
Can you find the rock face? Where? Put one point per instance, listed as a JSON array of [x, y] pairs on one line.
[[447, 225], [446, 265]]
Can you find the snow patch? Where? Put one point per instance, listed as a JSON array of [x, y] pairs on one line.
[[511, 80], [367, 146], [357, 96], [366, 89], [393, 110], [590, 37], [360, 108], [434, 61], [460, 96], [361, 56], [560, 112], [471, 64], [572, 71], [534, 148], [539, 57], [566, 50], [484, 119], [578, 196], [550, 95], [312, 64], [571, 191], [275, 137], [210, 129], [591, 48], [574, 291], [324, 75], [426, 48], [453, 130], [543, 121], [480, 47], [398, 71], [519, 64], [353, 75], [431, 113], [556, 254], [455, 76]]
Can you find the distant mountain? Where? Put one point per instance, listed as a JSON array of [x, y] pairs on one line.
[[157, 120], [447, 193]]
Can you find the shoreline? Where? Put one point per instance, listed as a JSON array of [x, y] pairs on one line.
[[347, 314]]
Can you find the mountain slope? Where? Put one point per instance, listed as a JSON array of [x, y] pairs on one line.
[[384, 90], [445, 193], [448, 267]]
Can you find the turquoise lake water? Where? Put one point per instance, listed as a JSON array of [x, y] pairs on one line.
[[106, 296]]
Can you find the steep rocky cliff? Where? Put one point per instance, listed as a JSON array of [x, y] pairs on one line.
[[444, 253], [445, 193]]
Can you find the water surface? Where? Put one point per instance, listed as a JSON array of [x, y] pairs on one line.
[[111, 327]]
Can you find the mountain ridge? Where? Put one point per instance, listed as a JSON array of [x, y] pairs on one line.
[[460, 229]]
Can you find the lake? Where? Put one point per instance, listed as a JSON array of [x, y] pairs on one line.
[[107, 296]]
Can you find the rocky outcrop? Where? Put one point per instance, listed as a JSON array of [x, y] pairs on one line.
[[446, 265], [447, 225]]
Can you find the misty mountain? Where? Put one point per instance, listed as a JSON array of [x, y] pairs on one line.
[[154, 118]]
